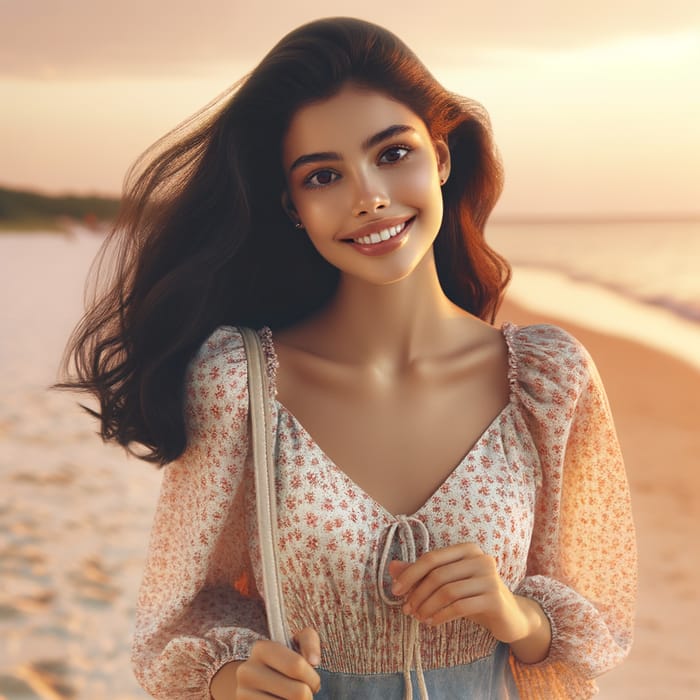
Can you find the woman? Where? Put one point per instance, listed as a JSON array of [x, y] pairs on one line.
[[453, 516]]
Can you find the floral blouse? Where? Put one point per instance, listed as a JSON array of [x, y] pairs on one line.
[[543, 491]]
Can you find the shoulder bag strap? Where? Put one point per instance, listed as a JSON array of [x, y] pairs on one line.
[[266, 501]]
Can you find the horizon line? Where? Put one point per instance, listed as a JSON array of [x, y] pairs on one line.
[[540, 217]]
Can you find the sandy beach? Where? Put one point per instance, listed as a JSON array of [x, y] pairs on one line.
[[75, 515]]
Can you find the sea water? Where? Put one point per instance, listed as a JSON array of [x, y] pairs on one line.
[[653, 262], [639, 279]]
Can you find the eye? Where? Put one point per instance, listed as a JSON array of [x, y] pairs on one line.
[[394, 154], [321, 178]]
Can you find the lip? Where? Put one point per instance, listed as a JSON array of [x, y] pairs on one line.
[[384, 247], [375, 227]]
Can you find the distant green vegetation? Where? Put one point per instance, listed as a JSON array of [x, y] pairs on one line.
[[22, 210]]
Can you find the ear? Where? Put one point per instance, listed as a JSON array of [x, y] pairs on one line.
[[442, 153], [289, 207]]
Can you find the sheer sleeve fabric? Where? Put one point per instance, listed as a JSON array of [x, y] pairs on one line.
[[582, 566], [198, 607]]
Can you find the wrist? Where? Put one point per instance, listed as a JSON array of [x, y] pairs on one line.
[[533, 646], [223, 682]]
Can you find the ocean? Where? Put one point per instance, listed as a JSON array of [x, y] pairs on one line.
[[652, 262], [75, 514], [637, 279]]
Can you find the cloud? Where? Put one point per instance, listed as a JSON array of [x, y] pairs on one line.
[[90, 38]]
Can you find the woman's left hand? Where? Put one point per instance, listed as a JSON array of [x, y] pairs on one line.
[[461, 582]]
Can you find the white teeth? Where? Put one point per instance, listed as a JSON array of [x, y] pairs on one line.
[[383, 235]]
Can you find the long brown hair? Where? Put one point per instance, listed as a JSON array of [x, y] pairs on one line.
[[202, 239]]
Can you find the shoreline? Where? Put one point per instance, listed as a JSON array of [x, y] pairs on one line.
[[655, 400], [591, 305]]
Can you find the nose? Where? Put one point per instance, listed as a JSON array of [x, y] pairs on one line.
[[371, 196]]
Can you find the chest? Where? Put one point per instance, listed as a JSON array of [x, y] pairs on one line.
[[330, 525], [398, 443]]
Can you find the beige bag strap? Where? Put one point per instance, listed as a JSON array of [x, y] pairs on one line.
[[266, 501]]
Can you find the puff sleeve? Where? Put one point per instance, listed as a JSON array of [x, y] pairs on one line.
[[582, 566], [198, 607]]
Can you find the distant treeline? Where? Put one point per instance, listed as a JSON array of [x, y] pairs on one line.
[[25, 210]]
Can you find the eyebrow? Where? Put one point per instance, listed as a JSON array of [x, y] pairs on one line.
[[383, 135]]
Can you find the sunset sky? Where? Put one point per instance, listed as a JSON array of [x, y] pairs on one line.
[[595, 106]]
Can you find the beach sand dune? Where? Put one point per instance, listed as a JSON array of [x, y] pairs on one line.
[[75, 514]]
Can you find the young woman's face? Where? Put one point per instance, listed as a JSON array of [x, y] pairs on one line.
[[363, 177]]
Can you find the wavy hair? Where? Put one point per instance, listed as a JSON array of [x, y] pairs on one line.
[[202, 239]]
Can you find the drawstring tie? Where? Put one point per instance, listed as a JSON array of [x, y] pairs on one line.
[[405, 526]]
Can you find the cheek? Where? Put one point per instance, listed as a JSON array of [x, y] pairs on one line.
[[424, 195], [314, 204], [420, 183]]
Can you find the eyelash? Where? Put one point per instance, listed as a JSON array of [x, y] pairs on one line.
[[308, 180], [397, 147]]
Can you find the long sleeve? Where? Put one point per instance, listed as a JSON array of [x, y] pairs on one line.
[[582, 566], [198, 607]]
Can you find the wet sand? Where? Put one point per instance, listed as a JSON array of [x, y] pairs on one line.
[[74, 514]]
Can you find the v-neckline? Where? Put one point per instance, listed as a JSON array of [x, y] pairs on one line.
[[336, 469], [506, 330]]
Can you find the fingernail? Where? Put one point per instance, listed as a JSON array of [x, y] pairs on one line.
[[397, 588], [428, 621], [407, 609], [314, 659]]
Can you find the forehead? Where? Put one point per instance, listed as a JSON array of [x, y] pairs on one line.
[[344, 121]]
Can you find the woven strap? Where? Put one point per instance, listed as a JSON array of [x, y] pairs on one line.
[[266, 501]]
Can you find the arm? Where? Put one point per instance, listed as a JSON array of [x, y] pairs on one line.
[[534, 645], [582, 560], [461, 581], [197, 607]]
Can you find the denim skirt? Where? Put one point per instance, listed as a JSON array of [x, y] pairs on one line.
[[486, 679]]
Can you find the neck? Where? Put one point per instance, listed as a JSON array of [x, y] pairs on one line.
[[390, 325]]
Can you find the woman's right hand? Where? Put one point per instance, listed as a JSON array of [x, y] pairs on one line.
[[274, 670]]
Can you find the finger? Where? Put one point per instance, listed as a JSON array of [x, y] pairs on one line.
[[257, 680], [286, 662], [397, 567], [437, 582], [470, 607], [450, 595], [309, 645], [412, 574]]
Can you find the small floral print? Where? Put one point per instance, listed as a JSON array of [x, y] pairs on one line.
[[200, 605]]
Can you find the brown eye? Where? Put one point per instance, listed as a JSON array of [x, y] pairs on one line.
[[321, 178], [394, 154]]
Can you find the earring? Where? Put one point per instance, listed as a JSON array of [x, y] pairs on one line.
[[299, 226]]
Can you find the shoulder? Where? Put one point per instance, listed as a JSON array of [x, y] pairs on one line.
[[544, 343], [216, 381], [216, 378], [546, 362], [221, 355]]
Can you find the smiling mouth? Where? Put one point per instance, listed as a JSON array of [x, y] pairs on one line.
[[381, 236]]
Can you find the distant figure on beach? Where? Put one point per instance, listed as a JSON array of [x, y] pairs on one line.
[[453, 512]]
